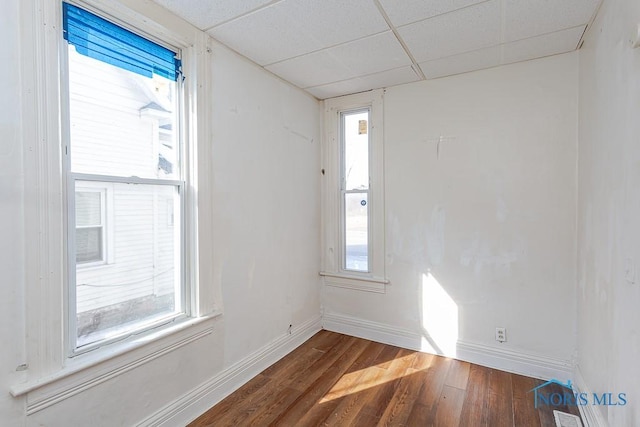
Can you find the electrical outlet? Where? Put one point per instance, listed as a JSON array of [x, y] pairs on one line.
[[501, 334]]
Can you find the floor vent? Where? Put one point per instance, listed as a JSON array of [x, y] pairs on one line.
[[566, 420]]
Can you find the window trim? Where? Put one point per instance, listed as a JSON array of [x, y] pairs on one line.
[[51, 375], [334, 272]]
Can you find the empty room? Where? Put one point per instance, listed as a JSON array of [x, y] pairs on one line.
[[320, 212]]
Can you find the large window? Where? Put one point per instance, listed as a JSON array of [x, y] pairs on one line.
[[125, 173], [353, 193]]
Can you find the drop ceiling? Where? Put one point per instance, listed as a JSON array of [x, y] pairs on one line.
[[337, 47]]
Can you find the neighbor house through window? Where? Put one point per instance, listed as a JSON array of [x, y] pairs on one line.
[[125, 182], [90, 226]]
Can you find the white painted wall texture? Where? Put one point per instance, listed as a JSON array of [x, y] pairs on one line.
[[266, 239], [11, 214], [609, 210], [488, 210]]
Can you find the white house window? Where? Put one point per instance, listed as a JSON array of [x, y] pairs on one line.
[[90, 227], [126, 267], [353, 193]]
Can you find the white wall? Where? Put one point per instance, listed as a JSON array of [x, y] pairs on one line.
[[490, 213], [266, 243], [266, 172], [609, 209], [11, 213]]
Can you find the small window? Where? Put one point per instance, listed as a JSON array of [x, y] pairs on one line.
[[90, 227], [353, 193]]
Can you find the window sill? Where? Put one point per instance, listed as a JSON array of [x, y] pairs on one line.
[[356, 282], [87, 370]]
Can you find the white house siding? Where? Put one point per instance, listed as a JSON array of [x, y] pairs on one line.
[[110, 136], [140, 256]]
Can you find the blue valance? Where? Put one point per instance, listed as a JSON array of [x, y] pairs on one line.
[[100, 39]]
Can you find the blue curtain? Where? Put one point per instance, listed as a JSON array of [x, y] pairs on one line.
[[102, 40]]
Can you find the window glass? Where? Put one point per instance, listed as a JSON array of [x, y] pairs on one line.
[[355, 180], [123, 139], [356, 232], [356, 150]]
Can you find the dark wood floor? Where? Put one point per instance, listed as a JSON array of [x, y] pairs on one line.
[[338, 380]]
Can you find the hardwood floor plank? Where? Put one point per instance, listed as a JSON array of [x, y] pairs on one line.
[[500, 383], [271, 408], [244, 393], [524, 414], [347, 411], [319, 344], [317, 408], [522, 386], [432, 387], [315, 396], [475, 411], [423, 361], [386, 357], [449, 407], [524, 411], [337, 380], [500, 410], [399, 408], [310, 374], [390, 381], [420, 415], [458, 374]]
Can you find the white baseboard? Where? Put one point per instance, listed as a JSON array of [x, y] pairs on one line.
[[507, 360], [188, 407], [517, 362], [372, 331], [591, 415]]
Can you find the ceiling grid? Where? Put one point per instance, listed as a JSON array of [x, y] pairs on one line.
[[336, 47]]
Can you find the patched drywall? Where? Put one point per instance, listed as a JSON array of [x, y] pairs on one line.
[[480, 193], [609, 210], [267, 204]]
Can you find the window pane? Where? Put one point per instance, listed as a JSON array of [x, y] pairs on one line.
[[121, 123], [356, 150], [88, 244], [141, 282], [356, 231], [88, 208]]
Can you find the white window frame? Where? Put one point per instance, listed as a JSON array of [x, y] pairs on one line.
[[51, 375], [106, 218], [334, 270]]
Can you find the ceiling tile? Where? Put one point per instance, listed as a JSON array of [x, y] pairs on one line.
[[295, 27], [457, 32], [534, 17], [548, 44], [364, 83], [364, 56], [207, 13], [457, 64], [402, 12]]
